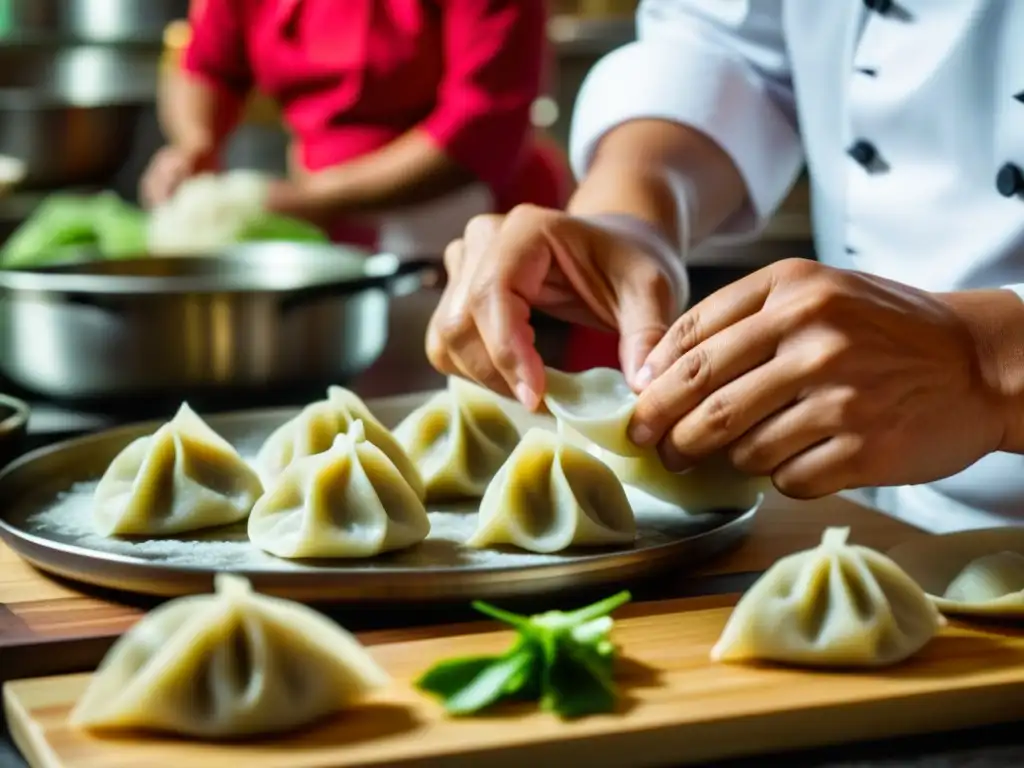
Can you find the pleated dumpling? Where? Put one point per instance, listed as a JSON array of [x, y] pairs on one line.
[[227, 665], [838, 605], [350, 501], [990, 578], [314, 429], [184, 477], [458, 440], [551, 495], [598, 404]]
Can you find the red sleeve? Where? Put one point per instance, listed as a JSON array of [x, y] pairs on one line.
[[495, 55], [217, 52]]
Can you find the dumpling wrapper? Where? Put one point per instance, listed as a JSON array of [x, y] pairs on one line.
[[988, 578], [458, 440], [348, 502], [227, 665], [837, 605], [551, 495], [184, 477], [598, 404], [313, 431], [969, 573]]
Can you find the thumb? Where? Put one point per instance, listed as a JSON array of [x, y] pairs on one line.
[[646, 305]]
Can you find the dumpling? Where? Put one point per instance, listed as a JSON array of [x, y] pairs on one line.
[[226, 665], [314, 429], [458, 439], [713, 485], [184, 477], [838, 605], [551, 495], [350, 501], [598, 404], [989, 578]]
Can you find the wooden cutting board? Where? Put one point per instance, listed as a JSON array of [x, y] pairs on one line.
[[50, 627], [678, 707]]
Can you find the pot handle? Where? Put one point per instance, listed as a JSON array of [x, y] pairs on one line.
[[427, 269]]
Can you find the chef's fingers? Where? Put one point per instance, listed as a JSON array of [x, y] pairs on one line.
[[809, 421], [824, 469], [728, 414], [507, 280], [699, 374], [454, 344], [714, 314], [645, 309]]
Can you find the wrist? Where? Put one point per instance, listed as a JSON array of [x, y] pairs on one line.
[[646, 238], [995, 319]]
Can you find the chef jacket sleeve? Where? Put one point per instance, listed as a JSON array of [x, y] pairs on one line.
[[719, 66], [217, 51], [494, 52]]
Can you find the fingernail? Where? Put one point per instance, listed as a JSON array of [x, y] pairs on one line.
[[674, 462], [526, 395], [641, 435], [644, 377]]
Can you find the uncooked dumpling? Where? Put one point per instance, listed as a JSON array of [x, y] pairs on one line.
[[458, 440], [598, 404], [551, 495], [231, 664], [314, 429], [184, 477], [350, 501], [713, 485], [838, 605], [988, 578]]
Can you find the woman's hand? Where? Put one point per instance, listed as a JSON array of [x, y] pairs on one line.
[[826, 380], [169, 167], [533, 257]]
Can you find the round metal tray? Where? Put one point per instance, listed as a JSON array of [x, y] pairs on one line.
[[46, 519]]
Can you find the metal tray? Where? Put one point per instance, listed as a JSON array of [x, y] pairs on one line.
[[46, 519]]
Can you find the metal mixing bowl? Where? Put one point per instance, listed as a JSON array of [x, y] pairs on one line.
[[70, 114], [256, 316], [14, 416]]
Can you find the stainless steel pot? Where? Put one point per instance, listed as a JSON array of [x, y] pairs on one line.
[[70, 114], [257, 316], [105, 21]]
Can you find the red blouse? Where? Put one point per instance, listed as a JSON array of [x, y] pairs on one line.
[[352, 75]]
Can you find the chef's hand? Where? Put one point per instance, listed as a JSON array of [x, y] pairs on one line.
[[169, 167], [823, 379], [564, 266]]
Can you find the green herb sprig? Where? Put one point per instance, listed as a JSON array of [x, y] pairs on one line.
[[563, 660]]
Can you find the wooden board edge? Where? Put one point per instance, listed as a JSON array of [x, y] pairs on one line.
[[34, 748]]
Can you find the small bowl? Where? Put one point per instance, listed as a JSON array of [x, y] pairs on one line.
[[14, 415]]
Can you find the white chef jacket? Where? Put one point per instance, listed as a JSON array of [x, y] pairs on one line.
[[906, 114]]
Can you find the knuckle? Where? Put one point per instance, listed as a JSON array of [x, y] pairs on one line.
[[455, 328], [504, 358], [718, 415], [793, 269], [753, 457], [695, 368]]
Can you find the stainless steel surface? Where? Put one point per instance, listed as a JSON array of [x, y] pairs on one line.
[[70, 113], [257, 316], [439, 569], [104, 21], [14, 416]]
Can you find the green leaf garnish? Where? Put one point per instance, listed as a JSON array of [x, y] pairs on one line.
[[563, 660]]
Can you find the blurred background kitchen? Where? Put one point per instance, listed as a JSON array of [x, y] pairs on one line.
[[78, 108]]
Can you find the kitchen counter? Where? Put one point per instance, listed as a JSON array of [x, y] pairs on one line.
[[403, 368]]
